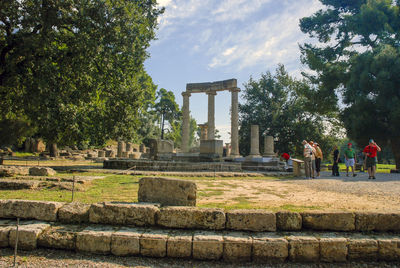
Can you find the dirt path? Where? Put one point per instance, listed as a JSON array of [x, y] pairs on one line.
[[343, 193]]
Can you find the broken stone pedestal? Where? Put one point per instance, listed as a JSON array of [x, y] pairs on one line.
[[212, 149]]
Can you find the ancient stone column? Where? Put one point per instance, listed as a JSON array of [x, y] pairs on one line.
[[129, 146], [228, 149], [269, 146], [235, 123], [185, 122], [101, 153], [211, 115], [203, 131], [254, 142], [121, 148]]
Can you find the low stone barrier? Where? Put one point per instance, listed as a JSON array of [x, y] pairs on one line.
[[230, 246], [176, 217]]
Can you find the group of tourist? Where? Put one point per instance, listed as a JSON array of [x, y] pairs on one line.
[[313, 157]]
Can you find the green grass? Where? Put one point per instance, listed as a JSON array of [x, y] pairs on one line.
[[380, 168], [23, 154], [120, 188]]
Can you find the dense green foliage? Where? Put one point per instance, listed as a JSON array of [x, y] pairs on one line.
[[276, 104], [74, 69], [357, 61]]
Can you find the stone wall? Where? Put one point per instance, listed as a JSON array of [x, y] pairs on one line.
[[127, 229], [144, 214]]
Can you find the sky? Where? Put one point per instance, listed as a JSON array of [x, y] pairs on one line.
[[213, 40]]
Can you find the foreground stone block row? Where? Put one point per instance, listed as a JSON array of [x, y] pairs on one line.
[[202, 245], [147, 215]]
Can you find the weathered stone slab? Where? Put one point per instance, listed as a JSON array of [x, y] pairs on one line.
[[123, 213], [237, 247], [389, 249], [41, 171], [59, 236], [18, 184], [29, 209], [74, 213], [288, 221], [360, 248], [371, 221], [333, 221], [153, 243], [167, 191], [191, 218], [5, 228], [207, 246], [28, 233], [303, 248], [95, 239], [216, 86], [268, 247], [126, 242], [251, 220], [179, 244], [333, 248], [10, 171]]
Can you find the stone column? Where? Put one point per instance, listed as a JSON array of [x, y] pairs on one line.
[[203, 131], [211, 115], [269, 146], [228, 149], [254, 142], [235, 123], [121, 148], [185, 122]]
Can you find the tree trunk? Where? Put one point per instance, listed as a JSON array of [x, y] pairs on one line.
[[396, 151], [53, 150]]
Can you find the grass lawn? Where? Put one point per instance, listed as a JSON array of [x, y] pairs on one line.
[[381, 168]]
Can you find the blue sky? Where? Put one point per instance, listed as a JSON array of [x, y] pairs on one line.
[[211, 40]]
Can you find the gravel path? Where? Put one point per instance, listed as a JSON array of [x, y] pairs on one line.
[[59, 258]]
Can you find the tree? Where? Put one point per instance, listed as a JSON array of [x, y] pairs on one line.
[[358, 59], [275, 104], [167, 109], [74, 68]]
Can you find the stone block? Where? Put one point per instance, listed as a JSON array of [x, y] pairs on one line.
[[95, 239], [303, 249], [153, 243], [191, 218], [18, 184], [371, 221], [59, 236], [269, 247], [288, 221], [389, 249], [251, 220], [29, 209], [333, 221], [333, 249], [28, 233], [10, 171], [211, 147], [41, 171], [74, 213], [123, 213], [179, 244], [167, 191], [207, 246], [237, 247], [5, 228], [364, 249], [126, 242]]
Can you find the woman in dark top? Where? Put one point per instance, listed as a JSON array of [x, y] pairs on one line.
[[335, 167]]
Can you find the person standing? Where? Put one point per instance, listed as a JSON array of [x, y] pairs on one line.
[[318, 158], [313, 165], [307, 153], [350, 156], [370, 151], [335, 166]]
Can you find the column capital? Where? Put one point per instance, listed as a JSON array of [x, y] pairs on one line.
[[186, 94], [211, 92], [235, 89]]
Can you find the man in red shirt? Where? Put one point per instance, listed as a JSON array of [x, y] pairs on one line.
[[370, 152]]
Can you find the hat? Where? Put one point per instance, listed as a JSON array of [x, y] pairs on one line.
[[349, 144], [371, 141]]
